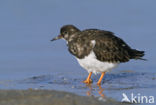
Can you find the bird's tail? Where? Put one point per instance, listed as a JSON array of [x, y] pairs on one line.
[[138, 54]]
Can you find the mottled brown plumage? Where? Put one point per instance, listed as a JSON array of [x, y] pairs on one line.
[[108, 47]]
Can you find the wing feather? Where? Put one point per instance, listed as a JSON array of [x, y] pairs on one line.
[[111, 48]]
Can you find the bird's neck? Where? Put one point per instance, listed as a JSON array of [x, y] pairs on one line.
[[72, 37]]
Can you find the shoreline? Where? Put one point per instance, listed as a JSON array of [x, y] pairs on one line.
[[50, 97]]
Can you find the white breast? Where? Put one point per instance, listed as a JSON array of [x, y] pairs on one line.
[[91, 64]]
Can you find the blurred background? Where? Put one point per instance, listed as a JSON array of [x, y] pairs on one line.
[[27, 26]]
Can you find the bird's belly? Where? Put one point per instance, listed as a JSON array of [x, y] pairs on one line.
[[91, 64]]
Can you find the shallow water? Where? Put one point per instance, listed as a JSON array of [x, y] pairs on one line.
[[29, 60], [114, 84]]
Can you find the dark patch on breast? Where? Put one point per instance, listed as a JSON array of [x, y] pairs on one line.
[[108, 47]]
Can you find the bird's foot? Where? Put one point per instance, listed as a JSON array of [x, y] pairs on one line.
[[89, 81], [99, 83]]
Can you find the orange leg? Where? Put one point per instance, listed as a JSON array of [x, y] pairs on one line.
[[88, 80], [102, 75]]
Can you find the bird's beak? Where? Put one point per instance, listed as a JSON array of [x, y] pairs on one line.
[[56, 38]]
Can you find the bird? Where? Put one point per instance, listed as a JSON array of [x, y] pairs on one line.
[[97, 51]]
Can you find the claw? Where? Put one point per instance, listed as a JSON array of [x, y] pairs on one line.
[[88, 81]]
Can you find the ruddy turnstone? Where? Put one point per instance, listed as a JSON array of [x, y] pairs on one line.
[[97, 51]]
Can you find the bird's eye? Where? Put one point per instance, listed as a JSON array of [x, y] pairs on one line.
[[65, 32]]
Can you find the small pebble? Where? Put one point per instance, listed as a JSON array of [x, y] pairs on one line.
[[73, 86]]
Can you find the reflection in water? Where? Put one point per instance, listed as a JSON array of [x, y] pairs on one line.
[[89, 93], [99, 89]]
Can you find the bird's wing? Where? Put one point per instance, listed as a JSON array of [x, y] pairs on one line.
[[111, 49], [80, 47]]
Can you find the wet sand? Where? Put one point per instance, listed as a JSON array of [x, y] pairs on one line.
[[64, 89], [49, 97]]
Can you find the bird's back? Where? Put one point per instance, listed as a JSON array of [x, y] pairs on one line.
[[107, 46]]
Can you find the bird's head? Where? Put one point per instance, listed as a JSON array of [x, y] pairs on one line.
[[67, 32]]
